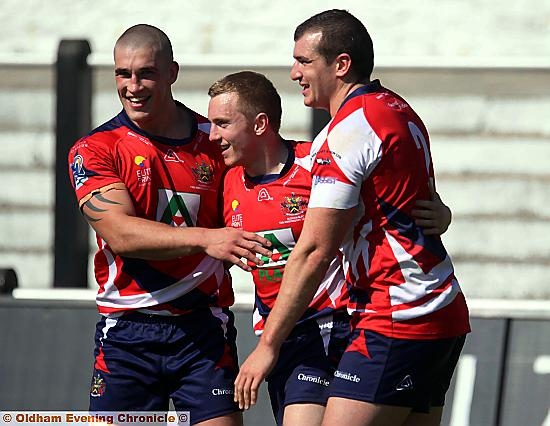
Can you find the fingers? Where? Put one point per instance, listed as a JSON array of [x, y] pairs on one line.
[[250, 255], [257, 238], [429, 227], [431, 185], [246, 391]]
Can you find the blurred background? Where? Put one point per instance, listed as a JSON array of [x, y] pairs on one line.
[[477, 72]]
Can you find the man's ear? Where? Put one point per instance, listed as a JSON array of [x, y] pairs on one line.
[[174, 70], [261, 121], [342, 64]]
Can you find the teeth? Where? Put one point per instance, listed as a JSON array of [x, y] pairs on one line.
[[133, 99]]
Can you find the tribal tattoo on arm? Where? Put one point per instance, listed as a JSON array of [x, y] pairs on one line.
[[93, 205]]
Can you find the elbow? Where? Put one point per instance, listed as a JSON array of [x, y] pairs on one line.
[[120, 245]]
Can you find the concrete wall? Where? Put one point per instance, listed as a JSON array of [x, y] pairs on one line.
[[478, 74], [501, 378]]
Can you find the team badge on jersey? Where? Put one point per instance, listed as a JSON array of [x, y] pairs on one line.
[[97, 388], [80, 174], [293, 205], [204, 173]]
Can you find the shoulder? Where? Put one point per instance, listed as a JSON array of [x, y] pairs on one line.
[[102, 137]]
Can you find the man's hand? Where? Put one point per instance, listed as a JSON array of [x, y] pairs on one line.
[[253, 371], [432, 215], [232, 245]]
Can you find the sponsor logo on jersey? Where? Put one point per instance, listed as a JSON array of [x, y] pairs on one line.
[[323, 161], [263, 195], [326, 151], [293, 205], [172, 156], [405, 384], [347, 376], [143, 173], [235, 205], [237, 220], [97, 388], [140, 160], [79, 172], [272, 275], [178, 208], [282, 243], [204, 173], [324, 180]]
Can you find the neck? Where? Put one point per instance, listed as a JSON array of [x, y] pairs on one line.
[[175, 123], [271, 159], [342, 93]]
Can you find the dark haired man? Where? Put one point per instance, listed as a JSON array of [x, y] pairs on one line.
[[371, 164]]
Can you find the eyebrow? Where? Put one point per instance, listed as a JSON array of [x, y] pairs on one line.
[[123, 69]]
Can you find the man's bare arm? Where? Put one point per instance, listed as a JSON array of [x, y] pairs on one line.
[[323, 232], [112, 215]]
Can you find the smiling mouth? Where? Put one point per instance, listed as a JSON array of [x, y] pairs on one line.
[[224, 147], [137, 100]]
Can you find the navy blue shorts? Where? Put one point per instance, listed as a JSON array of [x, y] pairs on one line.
[[307, 362], [141, 361], [399, 372]]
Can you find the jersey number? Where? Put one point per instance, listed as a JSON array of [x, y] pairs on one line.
[[420, 142]]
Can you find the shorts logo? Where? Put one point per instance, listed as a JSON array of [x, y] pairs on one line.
[[313, 379], [219, 392], [98, 386], [347, 376], [405, 384]]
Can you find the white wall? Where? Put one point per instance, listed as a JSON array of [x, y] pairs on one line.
[[454, 29], [484, 94]]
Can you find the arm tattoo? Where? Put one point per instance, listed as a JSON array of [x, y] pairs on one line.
[[96, 209], [100, 197]]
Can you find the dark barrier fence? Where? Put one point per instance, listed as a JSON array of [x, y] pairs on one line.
[[45, 364]]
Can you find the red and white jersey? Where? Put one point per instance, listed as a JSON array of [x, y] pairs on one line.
[[274, 206], [375, 154], [171, 181]]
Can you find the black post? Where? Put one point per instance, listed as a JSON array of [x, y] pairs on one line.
[[8, 280], [319, 120], [73, 120]]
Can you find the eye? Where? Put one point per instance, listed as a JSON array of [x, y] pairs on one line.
[[147, 73], [122, 73]]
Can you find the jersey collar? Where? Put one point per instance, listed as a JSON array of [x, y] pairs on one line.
[[371, 87], [164, 140], [263, 179]]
